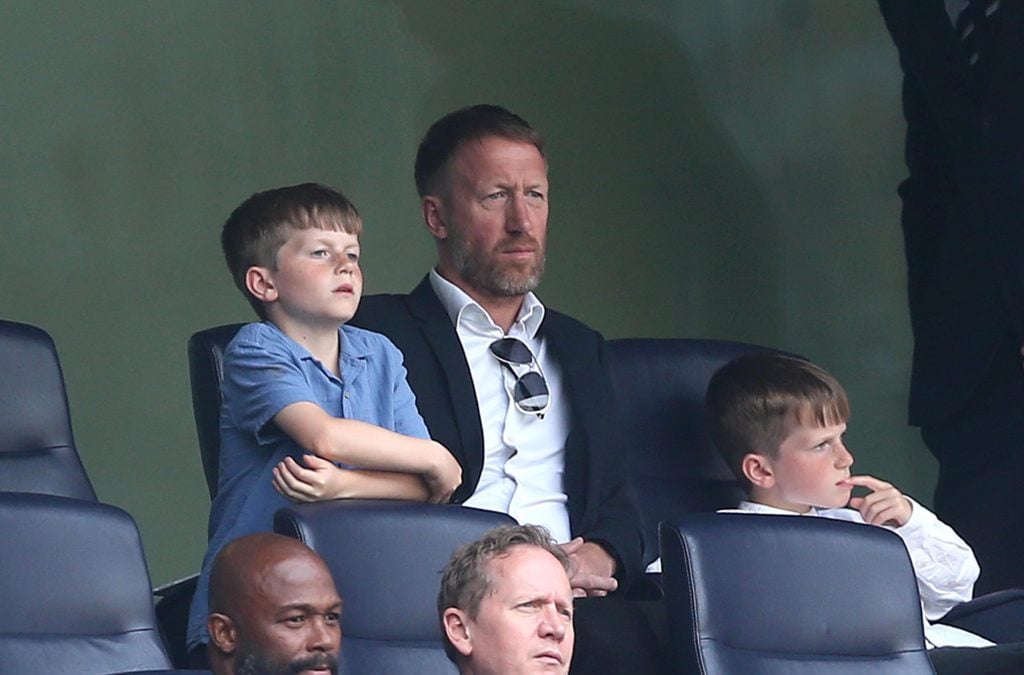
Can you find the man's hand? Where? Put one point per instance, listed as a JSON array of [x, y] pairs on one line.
[[591, 569], [319, 480], [443, 476], [884, 505]]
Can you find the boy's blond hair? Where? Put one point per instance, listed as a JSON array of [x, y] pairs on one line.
[[754, 401], [256, 230]]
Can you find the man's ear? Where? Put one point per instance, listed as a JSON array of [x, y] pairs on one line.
[[758, 470], [457, 630], [223, 633], [431, 207], [260, 283]]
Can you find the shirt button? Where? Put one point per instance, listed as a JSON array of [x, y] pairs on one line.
[[348, 395]]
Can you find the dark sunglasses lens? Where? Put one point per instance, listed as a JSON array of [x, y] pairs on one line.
[[531, 392], [511, 350]]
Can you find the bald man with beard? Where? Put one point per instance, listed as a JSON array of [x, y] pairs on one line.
[[274, 609]]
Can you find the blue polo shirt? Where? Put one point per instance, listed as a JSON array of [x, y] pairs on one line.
[[264, 372]]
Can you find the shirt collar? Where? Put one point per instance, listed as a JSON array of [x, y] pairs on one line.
[[353, 348], [462, 308], [954, 8], [755, 507]]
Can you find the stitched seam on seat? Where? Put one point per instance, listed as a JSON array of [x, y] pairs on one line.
[[802, 656]]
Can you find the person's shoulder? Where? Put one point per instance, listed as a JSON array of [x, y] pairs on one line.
[[842, 513], [258, 335], [256, 346], [381, 311], [379, 301], [262, 343], [363, 337], [563, 322], [365, 342]]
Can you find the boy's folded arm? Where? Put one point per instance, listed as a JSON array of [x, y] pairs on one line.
[[371, 447], [387, 485], [321, 480]]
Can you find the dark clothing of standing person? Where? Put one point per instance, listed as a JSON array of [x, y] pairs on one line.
[[963, 226]]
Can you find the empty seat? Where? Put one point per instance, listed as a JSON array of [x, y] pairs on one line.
[[659, 387], [74, 589], [37, 449]]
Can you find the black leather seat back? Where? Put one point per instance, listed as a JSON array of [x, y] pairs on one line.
[[206, 373], [386, 558], [659, 386], [74, 589], [780, 594], [37, 448]]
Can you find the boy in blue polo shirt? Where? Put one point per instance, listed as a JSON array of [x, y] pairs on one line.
[[313, 409]]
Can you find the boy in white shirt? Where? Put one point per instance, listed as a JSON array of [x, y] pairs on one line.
[[779, 423]]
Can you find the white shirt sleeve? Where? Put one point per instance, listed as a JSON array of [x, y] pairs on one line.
[[944, 564]]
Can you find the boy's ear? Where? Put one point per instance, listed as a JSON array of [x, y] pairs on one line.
[[457, 630], [259, 282], [431, 207], [758, 470]]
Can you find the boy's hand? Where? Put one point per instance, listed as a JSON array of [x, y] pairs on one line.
[[319, 480], [592, 569], [884, 505], [443, 475]]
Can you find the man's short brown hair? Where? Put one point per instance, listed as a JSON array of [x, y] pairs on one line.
[[466, 578], [255, 231], [753, 401], [473, 123]]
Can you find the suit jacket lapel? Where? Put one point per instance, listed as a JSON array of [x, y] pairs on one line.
[[439, 333], [576, 382]]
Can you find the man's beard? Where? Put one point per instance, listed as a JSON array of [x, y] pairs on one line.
[[484, 274], [252, 661]]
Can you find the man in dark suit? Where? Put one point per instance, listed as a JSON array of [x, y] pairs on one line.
[[517, 392], [963, 224]]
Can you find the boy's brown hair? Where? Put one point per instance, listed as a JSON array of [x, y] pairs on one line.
[[753, 402], [255, 231]]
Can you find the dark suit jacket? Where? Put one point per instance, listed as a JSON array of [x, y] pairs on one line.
[[963, 204], [601, 507]]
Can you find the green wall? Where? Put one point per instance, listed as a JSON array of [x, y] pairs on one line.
[[720, 169]]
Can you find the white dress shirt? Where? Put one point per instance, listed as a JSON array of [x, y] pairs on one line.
[[524, 454]]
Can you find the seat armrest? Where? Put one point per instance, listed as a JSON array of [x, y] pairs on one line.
[[184, 584], [997, 616], [173, 601]]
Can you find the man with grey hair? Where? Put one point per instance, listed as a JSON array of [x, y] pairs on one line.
[[506, 604]]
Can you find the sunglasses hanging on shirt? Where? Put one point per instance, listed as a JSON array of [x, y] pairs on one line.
[[530, 390]]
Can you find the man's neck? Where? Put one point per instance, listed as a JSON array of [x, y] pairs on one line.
[[503, 309]]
